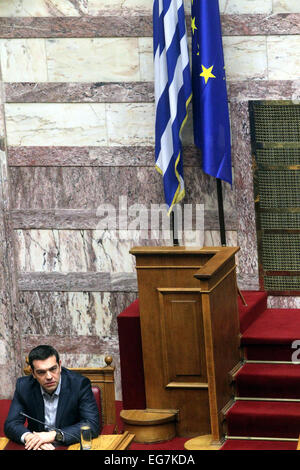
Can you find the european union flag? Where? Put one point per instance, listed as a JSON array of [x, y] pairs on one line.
[[210, 105]]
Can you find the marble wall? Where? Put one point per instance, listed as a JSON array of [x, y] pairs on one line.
[[77, 115]]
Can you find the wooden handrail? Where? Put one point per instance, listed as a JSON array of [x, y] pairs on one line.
[[221, 256]]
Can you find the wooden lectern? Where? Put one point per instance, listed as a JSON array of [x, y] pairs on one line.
[[190, 332]]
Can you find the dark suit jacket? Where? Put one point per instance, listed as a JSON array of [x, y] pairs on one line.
[[76, 405]]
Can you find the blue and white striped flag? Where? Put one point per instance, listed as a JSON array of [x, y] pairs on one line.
[[173, 92]]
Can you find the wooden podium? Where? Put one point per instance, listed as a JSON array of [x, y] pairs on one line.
[[190, 332]]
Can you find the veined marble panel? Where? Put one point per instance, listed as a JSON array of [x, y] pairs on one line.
[[95, 59], [243, 187], [9, 320], [126, 59], [55, 124], [67, 187], [245, 57], [88, 219], [92, 156], [146, 59], [286, 6], [8, 380], [72, 313], [264, 90], [68, 282], [75, 124], [56, 187], [76, 344], [23, 60], [102, 26], [130, 26], [283, 57], [97, 92], [74, 60], [76, 251], [128, 92], [245, 6], [145, 6], [248, 281], [108, 7], [259, 24], [124, 124], [27, 8]]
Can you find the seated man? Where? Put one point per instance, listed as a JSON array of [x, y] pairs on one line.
[[55, 396]]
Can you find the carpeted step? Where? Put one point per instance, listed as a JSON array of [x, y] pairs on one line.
[[256, 303], [264, 419], [274, 326], [245, 444], [268, 381], [270, 352], [270, 337]]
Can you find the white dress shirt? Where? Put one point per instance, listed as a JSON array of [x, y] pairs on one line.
[[50, 407]]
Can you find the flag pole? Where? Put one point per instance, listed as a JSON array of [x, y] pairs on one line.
[[222, 227], [174, 229], [221, 212]]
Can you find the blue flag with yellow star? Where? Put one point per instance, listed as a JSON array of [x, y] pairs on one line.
[[210, 105]]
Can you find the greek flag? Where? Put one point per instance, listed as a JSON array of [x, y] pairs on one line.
[[173, 92]]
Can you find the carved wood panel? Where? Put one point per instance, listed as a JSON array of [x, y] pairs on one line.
[[182, 338]]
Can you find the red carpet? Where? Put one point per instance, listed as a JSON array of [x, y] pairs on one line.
[[274, 326], [268, 338], [264, 419], [270, 352], [256, 303], [258, 445], [268, 381]]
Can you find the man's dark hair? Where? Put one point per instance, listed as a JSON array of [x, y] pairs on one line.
[[42, 352]]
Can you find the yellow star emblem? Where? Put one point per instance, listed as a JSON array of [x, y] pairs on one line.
[[193, 26], [206, 73]]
